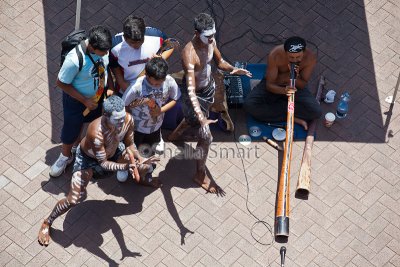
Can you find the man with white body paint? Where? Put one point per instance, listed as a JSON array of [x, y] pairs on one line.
[[104, 145], [198, 92]]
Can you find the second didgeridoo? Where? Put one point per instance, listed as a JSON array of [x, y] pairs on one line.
[[282, 205], [304, 181]]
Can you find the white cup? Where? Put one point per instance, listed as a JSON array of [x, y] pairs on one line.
[[329, 119]]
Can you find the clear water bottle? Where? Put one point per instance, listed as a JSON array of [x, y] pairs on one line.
[[343, 106]]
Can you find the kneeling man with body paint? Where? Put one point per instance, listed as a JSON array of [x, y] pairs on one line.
[[108, 143], [198, 92]]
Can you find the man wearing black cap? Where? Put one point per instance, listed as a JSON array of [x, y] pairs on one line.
[[268, 101]]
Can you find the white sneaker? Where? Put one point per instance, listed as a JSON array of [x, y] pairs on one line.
[[122, 176], [160, 147], [59, 166]]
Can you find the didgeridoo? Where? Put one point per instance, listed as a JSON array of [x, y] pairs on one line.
[[304, 181], [282, 205]]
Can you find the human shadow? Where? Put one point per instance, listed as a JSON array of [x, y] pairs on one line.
[[176, 174], [179, 172], [85, 223], [97, 219], [135, 194]]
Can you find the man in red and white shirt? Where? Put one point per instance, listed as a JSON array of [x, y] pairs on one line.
[[137, 46]]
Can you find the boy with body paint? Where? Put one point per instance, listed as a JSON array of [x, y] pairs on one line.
[[268, 100], [198, 92], [104, 145]]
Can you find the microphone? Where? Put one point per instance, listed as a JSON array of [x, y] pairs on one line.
[[283, 254], [293, 74]]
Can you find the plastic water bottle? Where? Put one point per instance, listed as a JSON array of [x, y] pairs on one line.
[[343, 106]]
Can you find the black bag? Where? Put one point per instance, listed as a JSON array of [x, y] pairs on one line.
[[72, 41]]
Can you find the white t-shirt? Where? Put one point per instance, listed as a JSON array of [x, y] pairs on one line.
[[144, 123], [133, 60]]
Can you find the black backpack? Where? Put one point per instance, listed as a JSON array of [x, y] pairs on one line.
[[72, 41]]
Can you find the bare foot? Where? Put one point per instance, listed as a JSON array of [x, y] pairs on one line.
[[44, 234], [302, 123], [210, 186]]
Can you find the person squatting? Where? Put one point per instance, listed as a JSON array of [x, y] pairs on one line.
[[108, 143]]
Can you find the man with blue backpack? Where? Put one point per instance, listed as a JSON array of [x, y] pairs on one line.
[[82, 78]]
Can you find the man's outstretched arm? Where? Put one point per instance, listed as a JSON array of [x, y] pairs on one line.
[[225, 66]]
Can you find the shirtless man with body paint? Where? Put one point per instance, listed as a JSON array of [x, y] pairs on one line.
[[101, 146], [198, 92]]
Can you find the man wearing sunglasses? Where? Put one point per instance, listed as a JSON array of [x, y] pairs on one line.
[[80, 86]]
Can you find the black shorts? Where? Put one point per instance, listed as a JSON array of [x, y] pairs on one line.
[[84, 162], [205, 98], [74, 119]]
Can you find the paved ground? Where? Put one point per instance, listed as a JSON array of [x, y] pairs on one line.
[[351, 218]]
